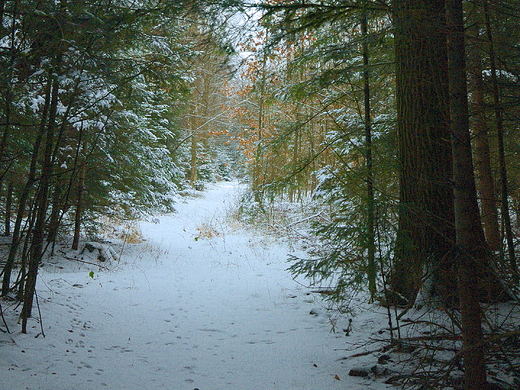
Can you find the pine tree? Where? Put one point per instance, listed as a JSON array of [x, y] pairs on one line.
[[82, 82]]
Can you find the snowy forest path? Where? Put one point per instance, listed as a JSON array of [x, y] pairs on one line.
[[201, 304]]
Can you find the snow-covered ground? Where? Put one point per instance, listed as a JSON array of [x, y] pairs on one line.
[[201, 304]]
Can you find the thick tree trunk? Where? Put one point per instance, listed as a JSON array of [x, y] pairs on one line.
[[426, 233], [472, 250]]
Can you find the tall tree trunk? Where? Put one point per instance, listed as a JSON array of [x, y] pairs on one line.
[[24, 196], [193, 158], [24, 252], [371, 235], [79, 206], [40, 208], [54, 220], [61, 191], [258, 164], [17, 233], [7, 90], [471, 244], [425, 233], [504, 202], [484, 176]]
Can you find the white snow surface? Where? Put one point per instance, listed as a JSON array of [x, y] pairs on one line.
[[201, 304]]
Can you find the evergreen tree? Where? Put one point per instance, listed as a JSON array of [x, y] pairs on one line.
[[97, 87]]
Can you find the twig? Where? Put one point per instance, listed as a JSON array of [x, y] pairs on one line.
[[304, 219], [288, 227], [86, 262], [360, 354]]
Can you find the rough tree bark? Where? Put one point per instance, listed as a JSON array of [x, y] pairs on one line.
[[472, 250], [426, 233]]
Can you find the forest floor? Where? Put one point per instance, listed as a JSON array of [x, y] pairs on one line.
[[202, 302]]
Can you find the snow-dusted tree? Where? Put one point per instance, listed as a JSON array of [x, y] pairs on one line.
[[282, 127], [95, 87], [205, 122], [327, 79]]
